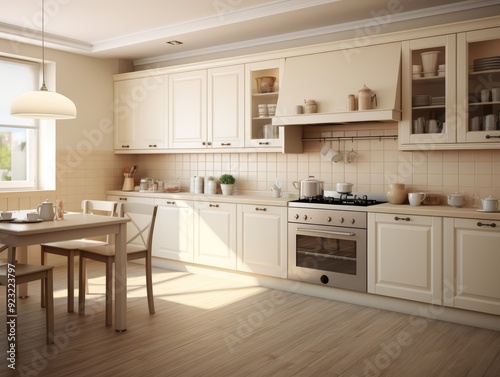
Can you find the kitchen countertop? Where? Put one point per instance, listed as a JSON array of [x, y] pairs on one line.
[[251, 197], [438, 211]]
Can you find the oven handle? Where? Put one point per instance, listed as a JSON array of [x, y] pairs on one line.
[[307, 232]]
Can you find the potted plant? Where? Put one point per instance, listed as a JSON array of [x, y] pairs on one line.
[[227, 184]]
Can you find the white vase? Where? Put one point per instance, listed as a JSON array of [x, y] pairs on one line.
[[227, 189]]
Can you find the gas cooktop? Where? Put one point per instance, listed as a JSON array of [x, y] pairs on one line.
[[343, 199]]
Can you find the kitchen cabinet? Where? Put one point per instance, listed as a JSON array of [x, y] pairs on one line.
[[173, 236], [428, 95], [405, 256], [215, 234], [140, 116], [262, 240], [478, 69], [226, 107], [188, 109], [207, 108], [471, 262]]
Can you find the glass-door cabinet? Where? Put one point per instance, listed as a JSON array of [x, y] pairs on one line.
[[429, 87], [262, 86], [478, 87]]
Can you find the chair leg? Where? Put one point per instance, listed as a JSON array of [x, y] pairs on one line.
[[149, 287], [82, 282], [49, 288], [42, 286], [109, 292], [71, 281]]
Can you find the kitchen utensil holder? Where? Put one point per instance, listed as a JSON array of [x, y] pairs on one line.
[[128, 184]]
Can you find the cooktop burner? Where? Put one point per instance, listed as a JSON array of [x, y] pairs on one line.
[[344, 199]]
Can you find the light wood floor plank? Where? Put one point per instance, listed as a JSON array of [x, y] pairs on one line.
[[215, 327]]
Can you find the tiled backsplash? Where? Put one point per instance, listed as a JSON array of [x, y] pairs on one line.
[[379, 163]]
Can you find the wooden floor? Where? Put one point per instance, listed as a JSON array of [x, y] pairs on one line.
[[209, 327]]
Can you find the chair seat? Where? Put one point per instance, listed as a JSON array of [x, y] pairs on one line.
[[73, 244], [24, 271], [109, 250]]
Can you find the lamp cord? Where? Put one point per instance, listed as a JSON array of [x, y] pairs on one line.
[[44, 87]]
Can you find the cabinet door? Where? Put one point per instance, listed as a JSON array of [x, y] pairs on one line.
[[404, 257], [429, 95], [140, 113], [471, 263], [226, 107], [215, 234], [173, 236], [262, 242], [478, 87], [188, 109], [255, 122]]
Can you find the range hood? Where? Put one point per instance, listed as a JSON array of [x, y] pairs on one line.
[[329, 77]]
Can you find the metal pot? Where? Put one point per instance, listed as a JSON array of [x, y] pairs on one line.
[[344, 187], [309, 188]]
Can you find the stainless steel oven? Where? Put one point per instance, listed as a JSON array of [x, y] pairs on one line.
[[327, 242]]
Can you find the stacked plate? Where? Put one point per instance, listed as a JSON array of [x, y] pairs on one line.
[[437, 101], [486, 64], [420, 100]]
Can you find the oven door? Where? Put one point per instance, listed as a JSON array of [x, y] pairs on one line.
[[327, 255]]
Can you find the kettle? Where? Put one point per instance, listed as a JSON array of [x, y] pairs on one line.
[[366, 98], [46, 211]]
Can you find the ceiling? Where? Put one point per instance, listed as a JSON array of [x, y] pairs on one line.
[[140, 29]]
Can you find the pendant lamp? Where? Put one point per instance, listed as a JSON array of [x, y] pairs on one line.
[[43, 104]]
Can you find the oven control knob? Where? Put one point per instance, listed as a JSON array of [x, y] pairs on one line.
[[353, 221], [324, 279], [329, 219], [342, 220], [305, 217], [296, 217]]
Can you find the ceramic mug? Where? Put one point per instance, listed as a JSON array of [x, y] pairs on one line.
[[416, 198], [475, 123], [485, 95], [6, 215], [334, 156], [433, 126], [495, 94], [490, 122], [419, 126]]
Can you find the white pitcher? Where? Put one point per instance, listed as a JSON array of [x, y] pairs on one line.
[[46, 211]]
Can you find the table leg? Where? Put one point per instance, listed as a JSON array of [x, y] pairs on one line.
[[121, 279]]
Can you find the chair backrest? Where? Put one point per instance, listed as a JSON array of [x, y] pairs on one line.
[[100, 207], [141, 227]]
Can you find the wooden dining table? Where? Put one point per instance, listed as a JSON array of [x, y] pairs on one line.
[[19, 233]]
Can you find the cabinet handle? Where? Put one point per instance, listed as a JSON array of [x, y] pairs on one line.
[[152, 145], [122, 199], [493, 225], [125, 146], [263, 142], [214, 205], [225, 144], [492, 137], [402, 218], [173, 203], [261, 209]]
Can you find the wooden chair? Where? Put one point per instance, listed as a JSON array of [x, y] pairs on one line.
[[139, 241], [26, 273], [70, 248]]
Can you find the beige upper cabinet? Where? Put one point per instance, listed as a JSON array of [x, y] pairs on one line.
[[226, 106], [478, 84], [187, 107], [140, 113], [429, 100]]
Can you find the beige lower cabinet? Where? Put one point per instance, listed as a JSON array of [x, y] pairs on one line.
[[472, 264], [405, 256], [215, 234], [262, 240], [173, 236]]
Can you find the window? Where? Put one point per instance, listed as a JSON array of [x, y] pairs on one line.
[[18, 136]]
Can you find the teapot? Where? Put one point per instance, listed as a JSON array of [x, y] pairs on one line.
[[46, 210], [366, 98]]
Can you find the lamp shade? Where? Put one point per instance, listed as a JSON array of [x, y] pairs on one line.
[[42, 104]]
